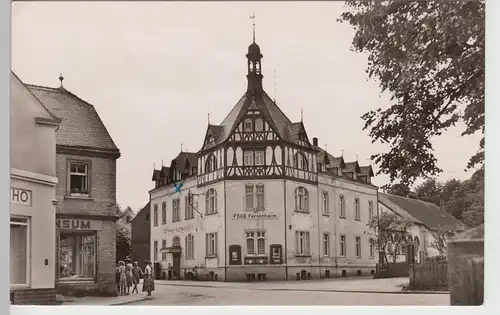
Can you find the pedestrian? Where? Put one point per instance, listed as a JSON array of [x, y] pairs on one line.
[[137, 274], [148, 279], [117, 277], [123, 278], [169, 271], [128, 274]]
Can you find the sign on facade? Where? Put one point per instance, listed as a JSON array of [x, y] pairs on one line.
[[20, 196], [81, 225], [255, 216], [179, 229]]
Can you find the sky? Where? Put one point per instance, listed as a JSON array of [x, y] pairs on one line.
[[157, 71]]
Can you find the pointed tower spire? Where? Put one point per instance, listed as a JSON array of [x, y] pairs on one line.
[[253, 18], [254, 58]]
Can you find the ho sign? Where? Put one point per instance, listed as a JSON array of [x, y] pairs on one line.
[[20, 196]]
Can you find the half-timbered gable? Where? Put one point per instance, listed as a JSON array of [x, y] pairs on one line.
[[211, 165]]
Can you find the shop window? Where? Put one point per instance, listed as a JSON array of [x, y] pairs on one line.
[[77, 259], [19, 251], [79, 178]]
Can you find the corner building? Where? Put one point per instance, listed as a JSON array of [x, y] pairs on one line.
[[259, 201]]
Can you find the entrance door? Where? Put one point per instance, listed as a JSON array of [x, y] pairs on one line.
[[176, 264]]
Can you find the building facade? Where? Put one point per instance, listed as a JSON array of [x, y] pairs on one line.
[[33, 197], [85, 223], [259, 201], [141, 235], [429, 224]]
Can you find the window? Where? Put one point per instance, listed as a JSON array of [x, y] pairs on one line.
[[370, 210], [342, 246], [210, 164], [155, 215], [19, 251], [260, 197], [164, 212], [372, 250], [259, 158], [247, 125], [189, 246], [163, 245], [356, 209], [249, 196], [358, 247], [211, 242], [256, 238], [78, 178], [155, 249], [176, 210], [326, 244], [211, 201], [325, 203], [302, 241], [259, 125], [188, 207], [248, 159], [301, 162], [301, 199], [77, 259], [342, 206]]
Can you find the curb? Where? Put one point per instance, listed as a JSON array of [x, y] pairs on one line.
[[128, 302], [307, 290]]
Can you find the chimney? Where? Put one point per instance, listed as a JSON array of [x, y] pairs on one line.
[[315, 141]]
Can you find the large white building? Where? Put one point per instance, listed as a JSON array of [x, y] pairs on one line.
[[260, 201]]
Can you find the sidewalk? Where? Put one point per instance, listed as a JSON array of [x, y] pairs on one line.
[[357, 285], [101, 301]]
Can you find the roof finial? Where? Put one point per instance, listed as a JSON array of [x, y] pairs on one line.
[[253, 18], [326, 147], [342, 153], [161, 163], [61, 78], [301, 115], [275, 86], [154, 166], [356, 157], [181, 146], [209, 118]]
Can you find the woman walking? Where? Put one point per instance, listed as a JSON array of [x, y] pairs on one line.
[[128, 274], [137, 274], [123, 278], [117, 277], [147, 285]]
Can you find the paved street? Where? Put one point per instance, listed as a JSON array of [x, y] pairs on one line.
[[244, 294]]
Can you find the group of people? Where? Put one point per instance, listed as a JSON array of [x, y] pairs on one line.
[[128, 275]]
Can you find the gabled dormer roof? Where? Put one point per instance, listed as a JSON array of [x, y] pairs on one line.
[[183, 161], [352, 167], [156, 175], [366, 171]]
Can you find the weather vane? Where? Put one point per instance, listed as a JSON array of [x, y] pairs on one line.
[[253, 19]]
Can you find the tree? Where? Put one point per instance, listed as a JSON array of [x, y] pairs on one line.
[[429, 56], [387, 230], [440, 242], [123, 233], [399, 190], [430, 190]]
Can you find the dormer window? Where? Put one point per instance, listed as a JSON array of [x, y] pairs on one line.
[[247, 125], [259, 124]]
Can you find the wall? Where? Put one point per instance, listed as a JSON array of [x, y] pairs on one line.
[[428, 276], [197, 226], [42, 231], [32, 145], [102, 186], [141, 235], [237, 226]]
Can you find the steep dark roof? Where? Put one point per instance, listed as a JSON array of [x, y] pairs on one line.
[[183, 160], [156, 174], [427, 213], [259, 99], [81, 126], [366, 170], [352, 167], [146, 208]]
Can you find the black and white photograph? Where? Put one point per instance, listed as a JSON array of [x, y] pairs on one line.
[[247, 153]]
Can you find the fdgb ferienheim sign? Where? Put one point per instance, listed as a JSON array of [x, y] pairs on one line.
[[20, 196], [255, 216]]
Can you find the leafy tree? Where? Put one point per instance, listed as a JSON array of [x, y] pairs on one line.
[[430, 190], [440, 242], [123, 234], [429, 56], [386, 232], [399, 190]]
